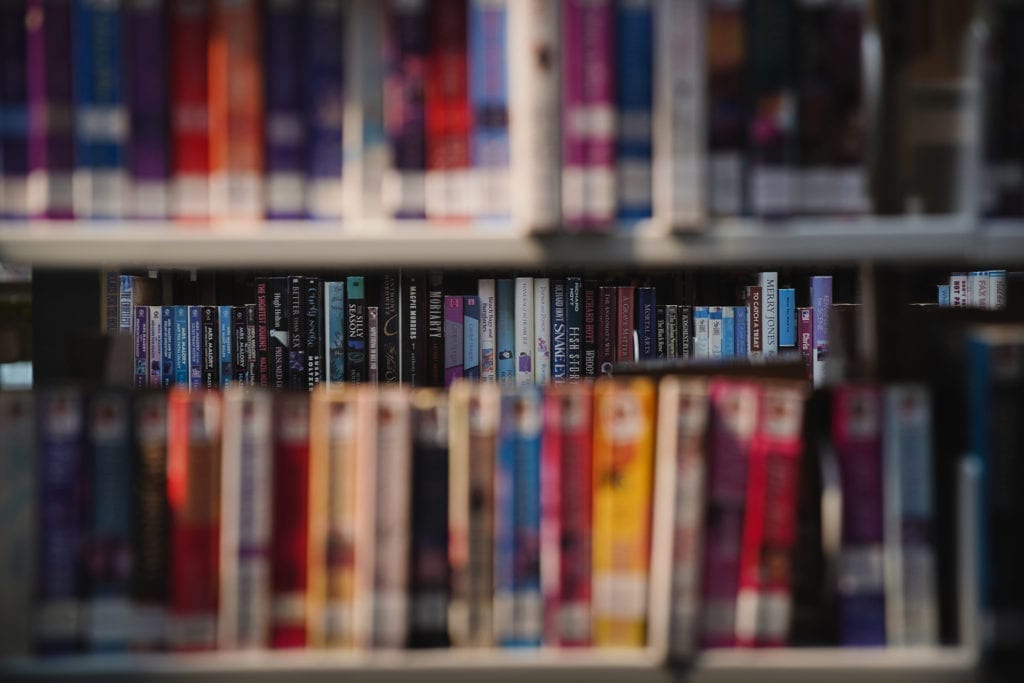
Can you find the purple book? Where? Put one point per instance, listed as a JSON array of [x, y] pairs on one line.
[[453, 339], [404, 116], [285, 127], [574, 142], [50, 142], [821, 303], [599, 204], [13, 111], [149, 159]]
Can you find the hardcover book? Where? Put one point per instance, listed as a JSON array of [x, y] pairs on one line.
[[403, 191], [149, 158], [324, 106], [453, 339], [284, 134]]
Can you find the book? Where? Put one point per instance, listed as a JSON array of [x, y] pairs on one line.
[[193, 498], [625, 351], [488, 323], [769, 284], [313, 321], [196, 378], [535, 104], [355, 329], [634, 101], [334, 332], [390, 330], [645, 322], [156, 347], [435, 330], [225, 353], [289, 561], [109, 614], [857, 441], [525, 341], [727, 65], [701, 332], [404, 115], [755, 322], [453, 339], [590, 321], [249, 311], [488, 93], [372, 344], [728, 331], [958, 290], [100, 186], [715, 332], [672, 331], [542, 330], [806, 326], [284, 132], [324, 104], [597, 52], [505, 331], [261, 350], [742, 336], [559, 370], [660, 333], [623, 464], [574, 328], [686, 337], [474, 411], [211, 348], [607, 328], [181, 344], [471, 337], [247, 467], [413, 330], [135, 291], [149, 157], [573, 115], [141, 345], [190, 123], [428, 567], [296, 333], [19, 469], [821, 304], [14, 100], [151, 542]]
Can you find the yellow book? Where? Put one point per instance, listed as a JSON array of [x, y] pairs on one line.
[[624, 412]]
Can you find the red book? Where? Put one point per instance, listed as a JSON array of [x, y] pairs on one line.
[[190, 117], [624, 333], [805, 318], [607, 319], [193, 497], [289, 555], [446, 94], [764, 602]]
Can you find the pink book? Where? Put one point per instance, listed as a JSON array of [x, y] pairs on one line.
[[574, 117], [599, 104]]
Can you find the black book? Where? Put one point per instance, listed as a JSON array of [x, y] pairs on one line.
[[671, 331], [389, 357], [313, 320], [150, 558], [355, 330], [685, 314], [239, 345], [590, 367], [262, 345], [659, 332], [435, 329], [251, 377], [574, 327], [412, 329], [211, 348], [296, 333], [277, 332]]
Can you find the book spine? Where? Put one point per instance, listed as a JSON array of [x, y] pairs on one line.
[[672, 331], [756, 316], [413, 345], [285, 133], [488, 96], [211, 349], [151, 570], [646, 319], [110, 279], [190, 121], [525, 423], [404, 115], [446, 98], [943, 295], [504, 527], [488, 322], [505, 331], [806, 315], [726, 93], [686, 324], [525, 341], [551, 513], [251, 377], [324, 107], [334, 338], [607, 327], [679, 118], [535, 103], [787, 317], [559, 369], [313, 325], [59, 617], [429, 588], [126, 307], [728, 332], [19, 470], [715, 332], [156, 347], [435, 329], [141, 335], [574, 118], [195, 347], [542, 330], [624, 351], [390, 330], [471, 337], [148, 88], [181, 345], [373, 344], [453, 339], [296, 333], [958, 290], [574, 329], [576, 489], [742, 337], [660, 337], [701, 332], [996, 289], [166, 346], [355, 329], [48, 48], [225, 350], [193, 497], [14, 127], [634, 97], [239, 348], [598, 55], [769, 283], [821, 303], [262, 350], [848, 184], [100, 182]]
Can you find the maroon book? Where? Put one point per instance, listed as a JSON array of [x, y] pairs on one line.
[[607, 320]]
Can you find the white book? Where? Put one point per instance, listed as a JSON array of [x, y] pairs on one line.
[[542, 330], [156, 348], [714, 331], [18, 539], [974, 289], [958, 290], [679, 117], [981, 283], [701, 332], [523, 321], [910, 572], [245, 527], [997, 289], [769, 283], [488, 355], [535, 141]]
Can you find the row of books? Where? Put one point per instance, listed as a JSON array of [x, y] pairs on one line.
[[620, 513], [300, 331], [976, 289]]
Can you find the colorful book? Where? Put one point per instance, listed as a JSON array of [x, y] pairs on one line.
[[715, 332], [404, 115], [251, 376], [525, 341], [166, 346], [471, 337], [634, 72], [284, 135], [590, 321], [156, 347], [755, 319], [261, 350], [324, 107], [355, 329], [488, 324], [728, 331], [505, 331], [390, 330], [135, 291], [141, 347], [195, 347], [149, 158], [19, 470], [190, 121], [542, 330], [453, 339], [742, 337], [489, 102], [701, 332], [597, 51], [574, 328], [239, 347], [211, 348], [806, 330], [787, 317], [180, 342]]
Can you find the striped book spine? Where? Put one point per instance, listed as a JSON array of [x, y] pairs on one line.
[[324, 75], [150, 155], [190, 120], [404, 116], [285, 73], [634, 100], [574, 117], [488, 96], [14, 105], [597, 45]]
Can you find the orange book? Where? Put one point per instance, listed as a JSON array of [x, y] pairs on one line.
[[623, 458], [236, 110]]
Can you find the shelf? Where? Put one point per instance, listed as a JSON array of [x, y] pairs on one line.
[[422, 244]]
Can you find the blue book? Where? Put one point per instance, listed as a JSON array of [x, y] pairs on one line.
[[944, 295], [471, 337], [285, 129], [574, 327], [488, 97], [324, 75], [741, 333], [227, 363], [559, 333], [180, 345], [633, 55], [787, 317], [166, 346], [504, 524], [100, 130], [505, 330], [728, 331], [646, 322], [701, 332], [335, 333], [195, 347]]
